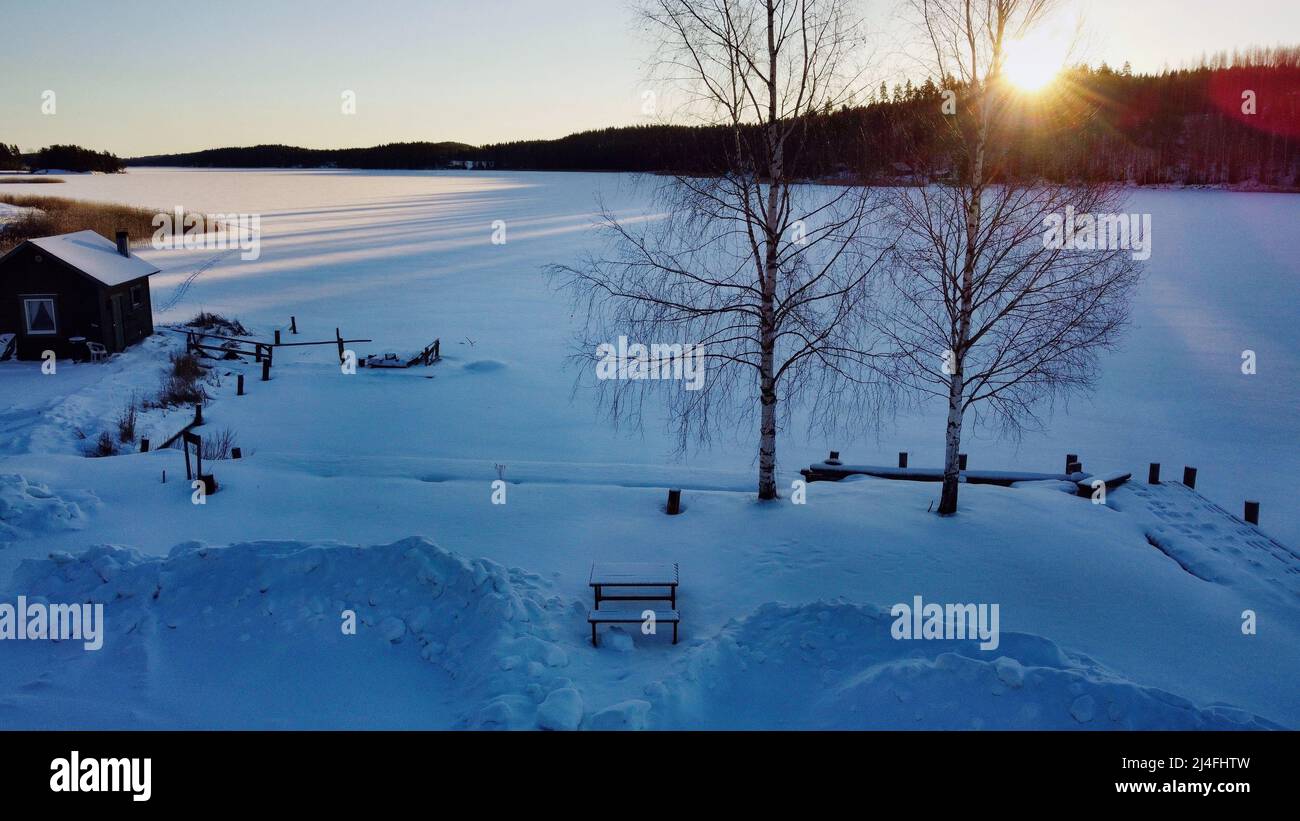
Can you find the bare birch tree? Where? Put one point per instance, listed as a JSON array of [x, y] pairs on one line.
[[984, 310], [768, 277]]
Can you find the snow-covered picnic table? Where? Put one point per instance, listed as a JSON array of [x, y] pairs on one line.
[[634, 581], [629, 579]]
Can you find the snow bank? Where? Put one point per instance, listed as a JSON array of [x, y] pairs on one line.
[[480, 632], [254, 635], [28, 507], [12, 212], [1208, 542], [835, 666]]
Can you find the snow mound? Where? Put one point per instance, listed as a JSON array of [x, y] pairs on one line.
[[1210, 543], [28, 507], [474, 632], [836, 666]]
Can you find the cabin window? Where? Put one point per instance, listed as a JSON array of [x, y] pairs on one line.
[[39, 313], [137, 296]]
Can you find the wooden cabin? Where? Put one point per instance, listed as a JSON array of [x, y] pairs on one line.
[[56, 293]]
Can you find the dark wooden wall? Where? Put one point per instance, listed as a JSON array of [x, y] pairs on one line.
[[82, 304]]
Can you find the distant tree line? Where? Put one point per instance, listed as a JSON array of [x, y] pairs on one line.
[[59, 157], [419, 155], [1232, 119], [11, 159], [1226, 121]]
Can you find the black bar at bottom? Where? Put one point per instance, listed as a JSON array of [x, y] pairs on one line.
[[246, 769]]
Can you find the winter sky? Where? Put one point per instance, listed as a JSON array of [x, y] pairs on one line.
[[136, 77]]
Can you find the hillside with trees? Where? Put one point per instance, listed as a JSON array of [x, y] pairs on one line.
[[1234, 119], [418, 155], [73, 158], [11, 159], [1189, 127]]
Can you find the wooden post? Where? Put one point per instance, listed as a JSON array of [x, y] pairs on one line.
[[961, 461], [293, 324], [1073, 468], [834, 458], [144, 445], [674, 502], [902, 458], [1070, 458], [239, 385], [339, 337], [198, 413], [1252, 513], [236, 453], [1189, 477], [277, 336], [266, 370]]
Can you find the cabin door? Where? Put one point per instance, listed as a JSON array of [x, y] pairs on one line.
[[119, 333]]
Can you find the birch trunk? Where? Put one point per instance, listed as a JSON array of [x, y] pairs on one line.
[[952, 446], [771, 264]]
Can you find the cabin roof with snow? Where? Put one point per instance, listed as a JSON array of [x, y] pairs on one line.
[[96, 257], [63, 292]]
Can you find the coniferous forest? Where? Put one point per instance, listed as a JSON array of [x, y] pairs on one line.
[[1232, 120]]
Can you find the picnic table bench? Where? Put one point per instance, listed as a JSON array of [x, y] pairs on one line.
[[633, 581], [631, 615]]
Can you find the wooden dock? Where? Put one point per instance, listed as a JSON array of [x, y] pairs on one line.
[[825, 472]]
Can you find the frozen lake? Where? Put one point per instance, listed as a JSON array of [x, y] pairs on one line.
[[404, 257]]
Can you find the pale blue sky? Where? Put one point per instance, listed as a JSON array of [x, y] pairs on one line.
[[139, 77]]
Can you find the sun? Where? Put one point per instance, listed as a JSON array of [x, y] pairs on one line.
[[1033, 62]]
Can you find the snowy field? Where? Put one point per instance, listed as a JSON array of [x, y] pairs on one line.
[[1126, 615]]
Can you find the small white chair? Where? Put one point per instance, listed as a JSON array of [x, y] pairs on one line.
[[98, 353]]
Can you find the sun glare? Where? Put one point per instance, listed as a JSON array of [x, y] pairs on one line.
[[1033, 62]]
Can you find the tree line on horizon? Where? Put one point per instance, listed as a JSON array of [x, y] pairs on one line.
[[1187, 126], [59, 158], [1231, 119]]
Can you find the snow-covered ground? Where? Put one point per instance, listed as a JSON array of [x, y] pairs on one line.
[[473, 614], [8, 212]]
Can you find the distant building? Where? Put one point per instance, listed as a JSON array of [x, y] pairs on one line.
[[58, 292]]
